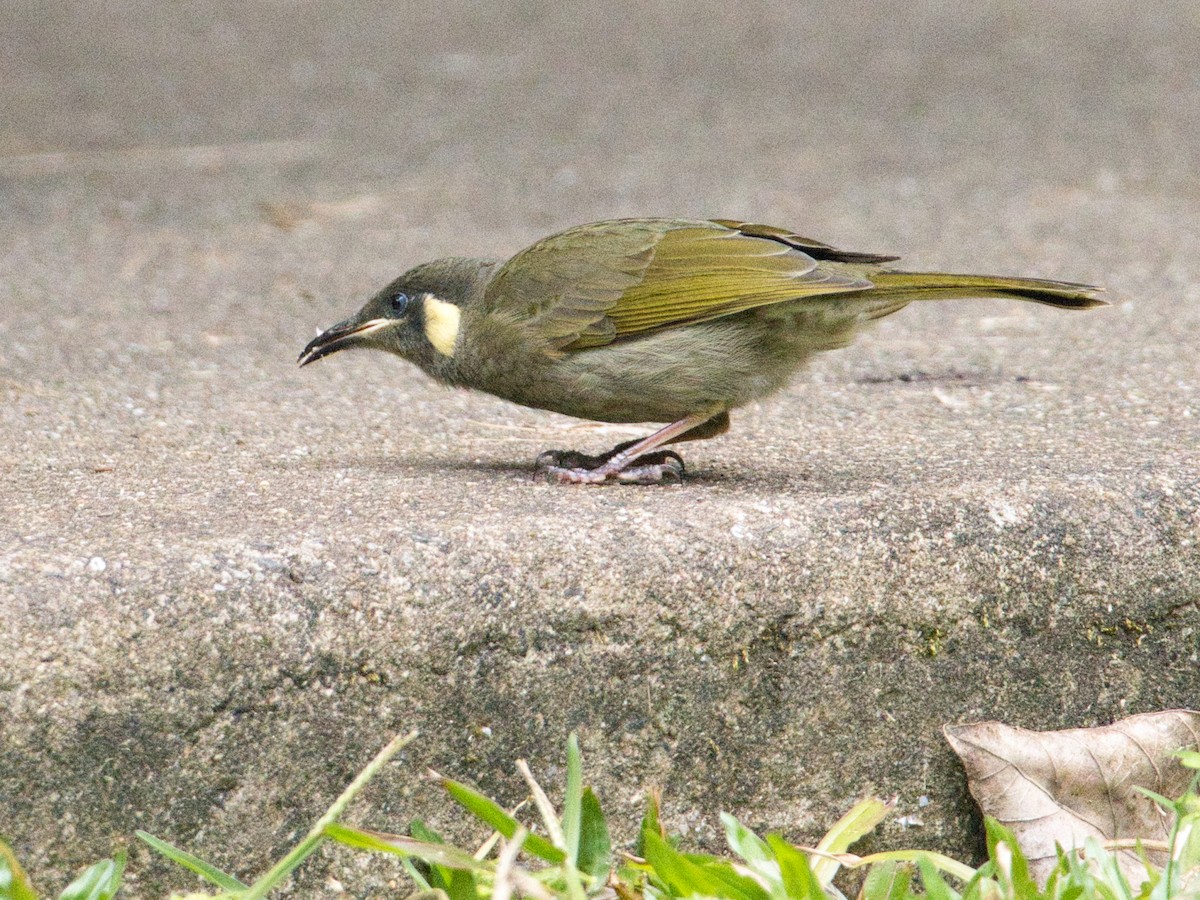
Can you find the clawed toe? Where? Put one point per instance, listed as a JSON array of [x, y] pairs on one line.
[[571, 467], [563, 475], [669, 470]]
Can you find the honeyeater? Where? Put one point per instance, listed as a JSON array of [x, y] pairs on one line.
[[648, 320]]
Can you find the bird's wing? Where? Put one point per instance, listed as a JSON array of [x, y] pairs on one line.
[[593, 284]]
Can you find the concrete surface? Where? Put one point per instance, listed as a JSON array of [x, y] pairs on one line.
[[224, 582]]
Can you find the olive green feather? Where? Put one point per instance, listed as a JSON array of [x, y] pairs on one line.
[[595, 284], [591, 285], [912, 286]]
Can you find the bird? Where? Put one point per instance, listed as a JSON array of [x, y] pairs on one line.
[[648, 320]]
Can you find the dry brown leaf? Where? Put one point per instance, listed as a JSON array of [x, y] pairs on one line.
[[1061, 787]]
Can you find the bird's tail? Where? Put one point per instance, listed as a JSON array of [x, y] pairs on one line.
[[911, 286]]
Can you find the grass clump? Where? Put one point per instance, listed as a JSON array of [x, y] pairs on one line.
[[572, 857]]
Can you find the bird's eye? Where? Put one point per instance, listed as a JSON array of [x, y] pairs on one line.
[[399, 303]]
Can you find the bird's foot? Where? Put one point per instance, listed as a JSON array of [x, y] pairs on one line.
[[571, 459], [572, 467]]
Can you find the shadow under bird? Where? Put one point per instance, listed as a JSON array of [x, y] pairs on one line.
[[648, 320]]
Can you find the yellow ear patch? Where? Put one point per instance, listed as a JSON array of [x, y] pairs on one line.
[[441, 324]]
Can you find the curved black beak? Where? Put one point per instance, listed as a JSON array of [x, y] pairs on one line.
[[342, 335]]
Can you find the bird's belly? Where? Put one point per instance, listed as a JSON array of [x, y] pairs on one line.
[[667, 375]]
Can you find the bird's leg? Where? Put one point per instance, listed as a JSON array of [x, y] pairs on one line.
[[632, 462]]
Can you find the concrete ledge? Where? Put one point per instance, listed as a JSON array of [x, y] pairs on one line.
[[224, 582]]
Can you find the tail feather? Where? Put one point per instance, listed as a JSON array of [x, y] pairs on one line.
[[911, 286]]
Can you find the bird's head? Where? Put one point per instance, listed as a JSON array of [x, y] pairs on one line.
[[417, 316]]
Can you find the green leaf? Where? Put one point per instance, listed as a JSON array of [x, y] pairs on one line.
[[744, 842], [888, 881], [941, 862], [1190, 758], [439, 877], [402, 845], [684, 876], [736, 883], [463, 886], [1110, 877], [595, 847], [1187, 846], [545, 808], [983, 883], [422, 883], [859, 821], [1017, 870], [489, 812], [454, 868], [1162, 801], [14, 883], [572, 799], [205, 870], [650, 822], [799, 882], [1070, 878], [935, 885], [100, 882], [423, 832]]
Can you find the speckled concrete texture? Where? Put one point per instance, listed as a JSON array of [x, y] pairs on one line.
[[224, 582]]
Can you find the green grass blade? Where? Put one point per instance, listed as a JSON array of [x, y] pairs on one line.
[[439, 877], [205, 870], [544, 807], [684, 876], [744, 842], [574, 884], [422, 883], [490, 813], [267, 883], [401, 845], [98, 882], [859, 821], [462, 885], [595, 846], [799, 880], [933, 882], [1190, 758], [888, 881], [455, 868], [941, 862], [573, 799], [736, 884], [1162, 801], [650, 822], [1017, 873], [422, 832], [14, 883]]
